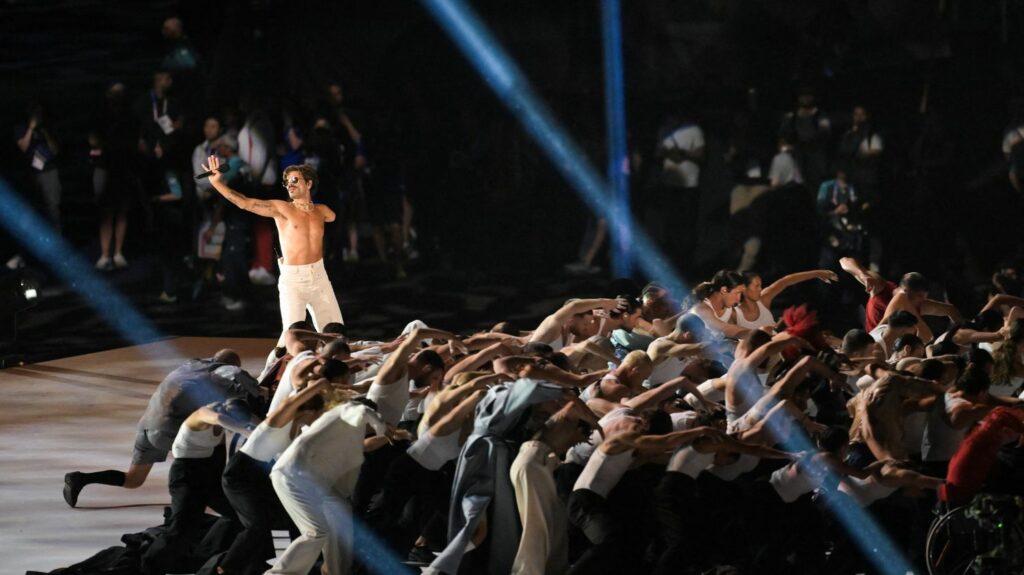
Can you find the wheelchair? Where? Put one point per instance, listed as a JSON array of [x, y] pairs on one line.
[[983, 537]]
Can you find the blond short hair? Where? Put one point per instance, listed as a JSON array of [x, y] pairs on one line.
[[636, 359]]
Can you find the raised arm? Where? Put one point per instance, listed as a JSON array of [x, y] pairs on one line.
[[551, 327], [872, 282], [941, 308], [778, 343], [265, 208], [967, 337], [666, 349], [676, 438], [769, 293], [452, 421], [475, 361], [798, 373], [1001, 300], [653, 397], [26, 139], [397, 362], [287, 409]]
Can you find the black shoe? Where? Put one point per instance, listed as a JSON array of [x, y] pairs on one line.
[[420, 556], [73, 485]]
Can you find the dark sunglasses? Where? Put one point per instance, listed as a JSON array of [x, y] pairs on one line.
[[291, 180]]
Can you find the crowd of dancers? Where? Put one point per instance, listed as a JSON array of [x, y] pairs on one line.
[[631, 434]]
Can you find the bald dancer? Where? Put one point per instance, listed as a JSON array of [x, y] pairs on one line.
[[196, 383]]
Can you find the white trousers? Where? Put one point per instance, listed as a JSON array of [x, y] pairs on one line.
[[307, 287], [544, 547], [324, 519]]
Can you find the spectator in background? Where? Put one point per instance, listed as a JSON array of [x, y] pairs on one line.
[[672, 213], [39, 149], [112, 151], [324, 154], [237, 226], [1013, 149], [747, 218], [254, 147], [784, 169], [180, 54], [384, 185], [860, 150], [808, 130], [182, 59], [291, 150], [353, 160], [160, 118], [841, 209], [203, 150], [211, 208]]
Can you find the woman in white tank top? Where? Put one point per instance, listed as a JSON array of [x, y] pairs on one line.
[[754, 311], [717, 298]]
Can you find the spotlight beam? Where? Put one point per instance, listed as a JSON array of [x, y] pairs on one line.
[[615, 115], [510, 85], [35, 235]]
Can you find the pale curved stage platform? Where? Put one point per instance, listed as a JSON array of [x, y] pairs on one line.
[[79, 413]]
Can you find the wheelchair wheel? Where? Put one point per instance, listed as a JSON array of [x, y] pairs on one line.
[[959, 545], [950, 549]]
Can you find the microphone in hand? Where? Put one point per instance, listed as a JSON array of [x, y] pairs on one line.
[[207, 174]]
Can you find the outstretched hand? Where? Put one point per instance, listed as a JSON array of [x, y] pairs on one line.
[[827, 276], [213, 165]]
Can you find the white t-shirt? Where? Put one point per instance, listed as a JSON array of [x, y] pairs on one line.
[[688, 137], [199, 156], [874, 143], [254, 151], [784, 170]]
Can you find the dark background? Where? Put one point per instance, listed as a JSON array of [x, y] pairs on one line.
[[490, 209]]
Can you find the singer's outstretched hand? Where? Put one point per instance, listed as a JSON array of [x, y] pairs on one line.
[[213, 165]]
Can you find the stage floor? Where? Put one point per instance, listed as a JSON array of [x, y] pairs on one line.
[[79, 413]]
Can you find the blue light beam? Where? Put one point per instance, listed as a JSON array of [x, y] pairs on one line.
[[512, 88], [35, 235], [615, 117]]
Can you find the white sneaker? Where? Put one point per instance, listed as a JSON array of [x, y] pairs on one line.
[[102, 264], [119, 262], [232, 304], [260, 276]]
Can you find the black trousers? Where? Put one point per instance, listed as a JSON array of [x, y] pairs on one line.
[[679, 517], [194, 485], [371, 475], [246, 484], [592, 514], [406, 480]]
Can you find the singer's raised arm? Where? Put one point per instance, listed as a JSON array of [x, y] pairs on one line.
[[266, 208]]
